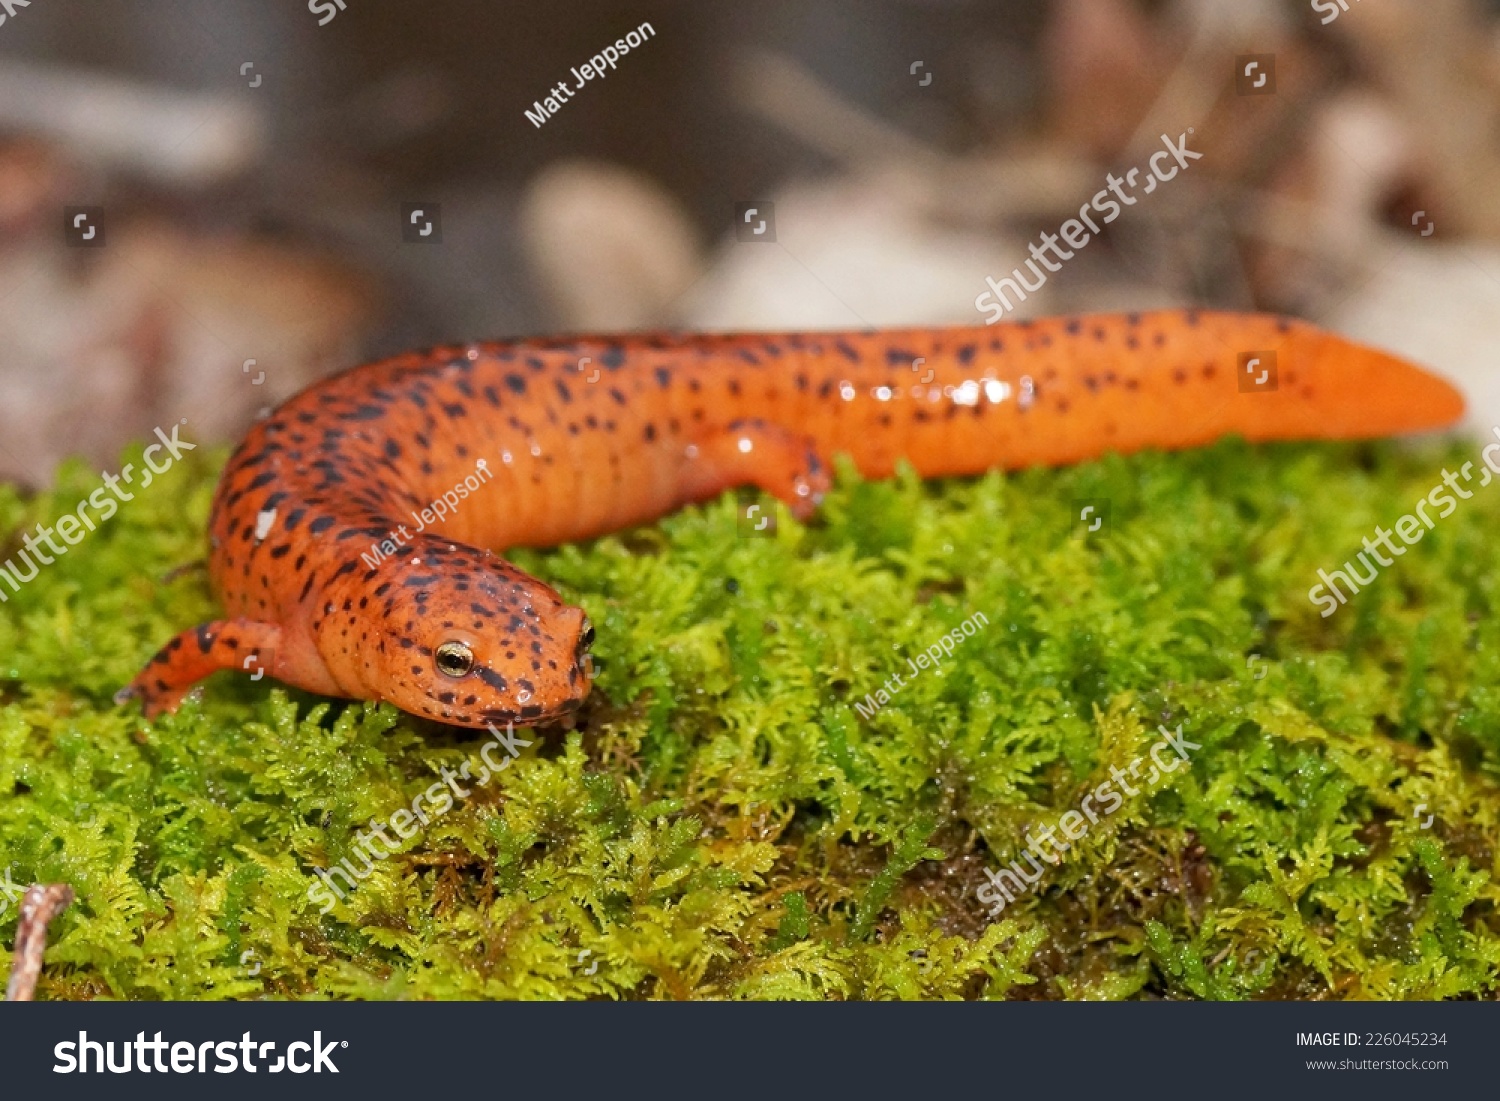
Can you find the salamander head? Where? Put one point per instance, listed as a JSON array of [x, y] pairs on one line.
[[479, 642]]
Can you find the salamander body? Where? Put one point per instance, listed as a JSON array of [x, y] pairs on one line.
[[355, 531]]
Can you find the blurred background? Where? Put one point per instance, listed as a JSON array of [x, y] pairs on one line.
[[206, 205]]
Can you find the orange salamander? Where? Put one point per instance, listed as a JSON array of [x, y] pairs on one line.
[[354, 533]]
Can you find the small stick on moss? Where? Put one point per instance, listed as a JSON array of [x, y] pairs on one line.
[[42, 903]]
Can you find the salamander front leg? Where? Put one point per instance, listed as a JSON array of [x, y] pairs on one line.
[[243, 644], [759, 453]]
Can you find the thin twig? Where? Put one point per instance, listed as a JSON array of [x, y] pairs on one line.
[[41, 904]]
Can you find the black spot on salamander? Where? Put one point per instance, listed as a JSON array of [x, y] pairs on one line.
[[493, 679], [281, 551], [900, 357], [663, 377], [734, 387], [347, 568], [455, 409], [294, 517], [748, 356], [563, 391], [263, 479], [650, 432], [617, 396], [613, 357], [321, 524], [1191, 317], [517, 383], [392, 449], [1073, 327], [847, 352], [826, 389], [492, 396], [966, 354], [205, 638], [364, 413]]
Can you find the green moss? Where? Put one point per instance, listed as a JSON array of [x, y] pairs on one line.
[[729, 826]]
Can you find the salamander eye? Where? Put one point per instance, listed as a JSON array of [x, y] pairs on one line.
[[586, 639], [454, 659]]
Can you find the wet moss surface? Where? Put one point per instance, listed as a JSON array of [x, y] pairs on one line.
[[725, 824]]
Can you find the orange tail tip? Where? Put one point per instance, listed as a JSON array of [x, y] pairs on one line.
[[1352, 391]]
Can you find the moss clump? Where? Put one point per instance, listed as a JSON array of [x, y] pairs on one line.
[[726, 824]]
